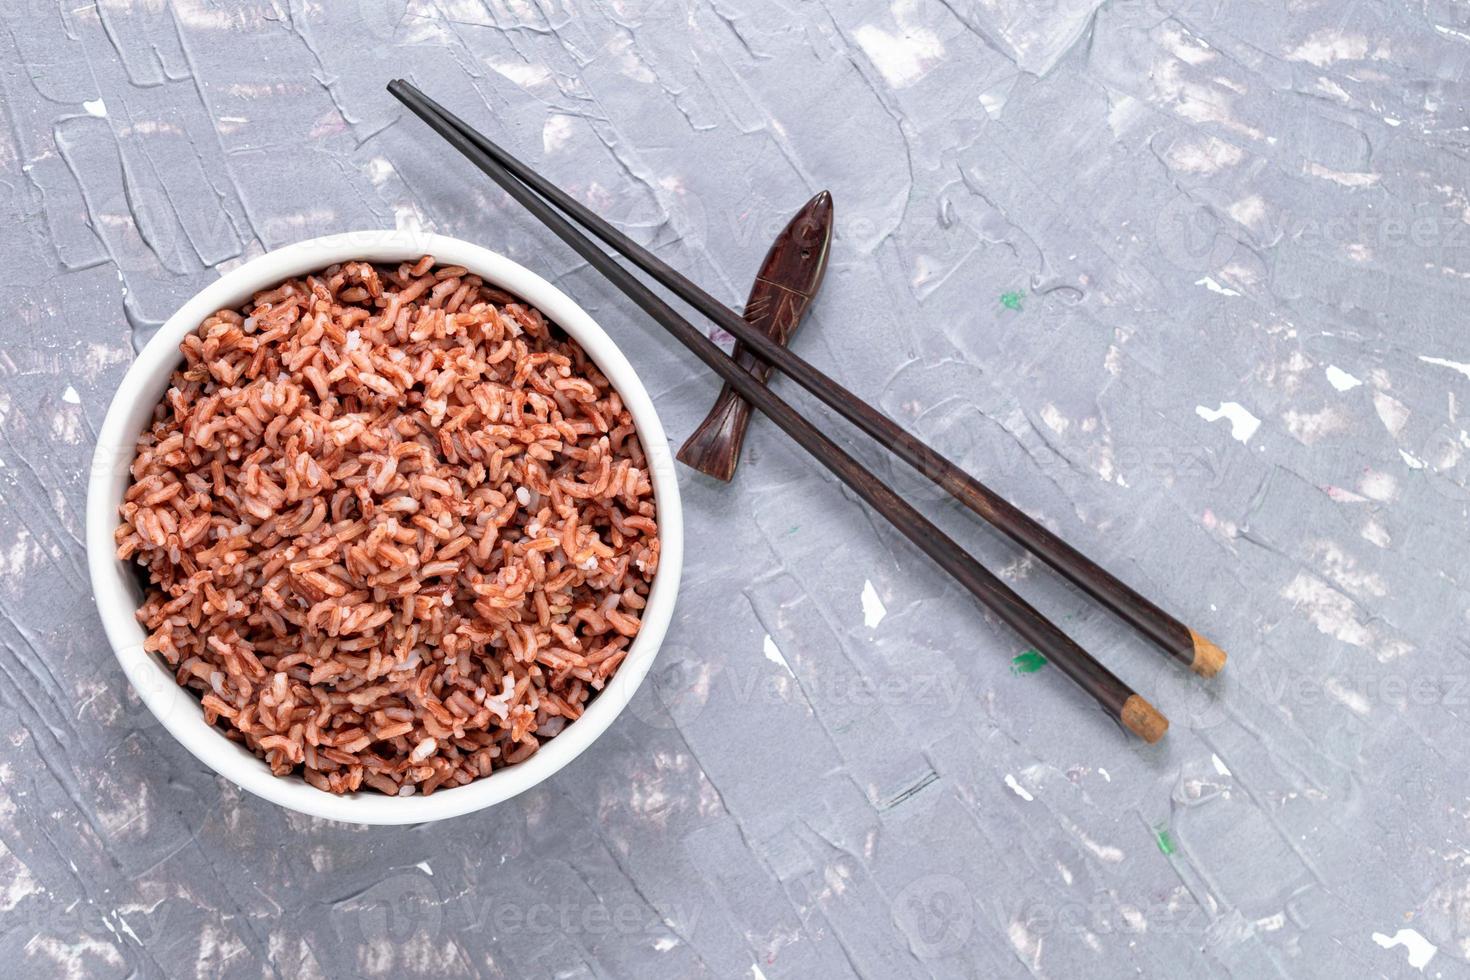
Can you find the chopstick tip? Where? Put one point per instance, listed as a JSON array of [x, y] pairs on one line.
[[1143, 719], [1208, 658]]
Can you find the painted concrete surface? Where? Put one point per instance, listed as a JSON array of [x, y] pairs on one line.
[[1185, 279]]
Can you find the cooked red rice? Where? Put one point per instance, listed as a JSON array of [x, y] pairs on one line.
[[398, 528]]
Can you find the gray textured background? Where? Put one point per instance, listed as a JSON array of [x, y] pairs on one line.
[[1238, 234]]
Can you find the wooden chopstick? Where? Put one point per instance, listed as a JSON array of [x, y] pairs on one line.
[[1171, 635], [1119, 700]]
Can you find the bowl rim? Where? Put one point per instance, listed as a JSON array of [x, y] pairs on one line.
[[115, 588]]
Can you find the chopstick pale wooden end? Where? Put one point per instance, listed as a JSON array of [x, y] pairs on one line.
[[1143, 719], [1208, 658]]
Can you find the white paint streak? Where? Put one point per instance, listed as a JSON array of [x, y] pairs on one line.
[[75, 960], [873, 608], [1460, 366], [994, 100], [1377, 534], [774, 655], [1243, 424], [1353, 700], [1342, 569], [526, 76], [1344, 177], [20, 884], [556, 133], [1197, 101], [1054, 418], [1340, 379], [1328, 87], [1393, 413], [1328, 610], [1018, 789], [625, 56], [1204, 157], [901, 57], [1214, 286], [1250, 211], [1027, 946], [1420, 950], [1103, 852], [1381, 487], [1272, 923], [96, 107], [1124, 112], [1307, 428], [1324, 47]]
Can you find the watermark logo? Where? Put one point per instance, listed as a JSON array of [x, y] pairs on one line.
[[937, 913], [399, 908], [675, 692]]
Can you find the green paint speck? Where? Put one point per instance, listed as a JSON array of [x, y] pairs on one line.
[[793, 529], [1011, 301], [1028, 662], [1165, 842]]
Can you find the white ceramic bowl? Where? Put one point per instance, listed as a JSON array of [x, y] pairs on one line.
[[116, 586]]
